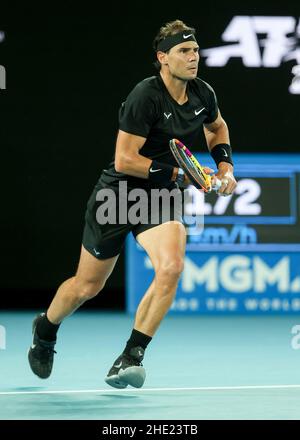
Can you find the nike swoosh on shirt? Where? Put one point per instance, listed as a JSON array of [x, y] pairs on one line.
[[197, 112]]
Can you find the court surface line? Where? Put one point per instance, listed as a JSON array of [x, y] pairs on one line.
[[142, 390]]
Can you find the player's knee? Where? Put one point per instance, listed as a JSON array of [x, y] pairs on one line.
[[170, 269], [88, 289]]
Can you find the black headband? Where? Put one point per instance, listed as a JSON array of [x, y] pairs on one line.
[[172, 40]]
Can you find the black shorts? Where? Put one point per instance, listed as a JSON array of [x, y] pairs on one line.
[[106, 240]]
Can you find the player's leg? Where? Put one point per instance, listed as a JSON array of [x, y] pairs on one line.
[[88, 281], [165, 245], [102, 244]]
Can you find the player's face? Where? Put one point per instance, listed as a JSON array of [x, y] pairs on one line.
[[183, 60]]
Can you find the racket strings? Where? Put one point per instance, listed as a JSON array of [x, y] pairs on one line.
[[189, 166]]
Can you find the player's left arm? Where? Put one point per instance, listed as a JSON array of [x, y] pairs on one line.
[[217, 133]]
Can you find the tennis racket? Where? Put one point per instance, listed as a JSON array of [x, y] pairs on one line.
[[190, 165]]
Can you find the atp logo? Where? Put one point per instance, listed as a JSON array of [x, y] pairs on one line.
[[260, 41]]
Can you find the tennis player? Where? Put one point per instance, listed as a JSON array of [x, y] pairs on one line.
[[173, 104]]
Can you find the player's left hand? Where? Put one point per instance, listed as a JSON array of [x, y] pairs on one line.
[[228, 182], [187, 180]]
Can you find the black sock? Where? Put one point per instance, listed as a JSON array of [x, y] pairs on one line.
[[137, 339], [46, 330]]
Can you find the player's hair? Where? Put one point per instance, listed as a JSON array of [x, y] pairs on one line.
[[170, 28]]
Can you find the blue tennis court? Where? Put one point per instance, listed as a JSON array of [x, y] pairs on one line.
[[197, 368]]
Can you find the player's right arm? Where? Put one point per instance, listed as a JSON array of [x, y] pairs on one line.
[[128, 160]]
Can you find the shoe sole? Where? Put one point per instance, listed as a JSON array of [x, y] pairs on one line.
[[134, 376], [114, 381]]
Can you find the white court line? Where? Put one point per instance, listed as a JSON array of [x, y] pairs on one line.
[[142, 390]]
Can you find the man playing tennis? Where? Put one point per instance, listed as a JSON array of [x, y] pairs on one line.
[[173, 104]]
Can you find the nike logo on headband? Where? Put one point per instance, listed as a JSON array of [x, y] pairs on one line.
[[187, 36]]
